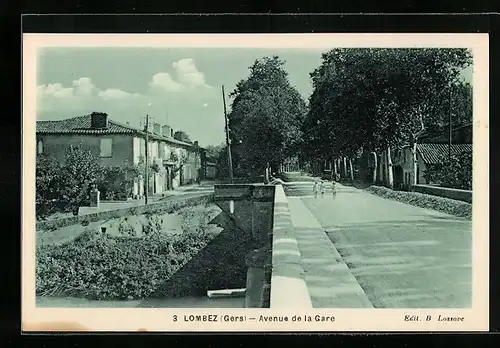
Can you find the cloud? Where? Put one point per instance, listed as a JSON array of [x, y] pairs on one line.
[[165, 81], [180, 92], [187, 77], [83, 86], [187, 73], [113, 93]]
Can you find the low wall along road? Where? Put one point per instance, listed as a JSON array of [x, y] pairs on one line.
[[459, 195]]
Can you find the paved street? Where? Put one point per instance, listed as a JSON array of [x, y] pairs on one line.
[[400, 256]]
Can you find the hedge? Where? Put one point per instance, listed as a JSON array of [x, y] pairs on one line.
[[445, 205]]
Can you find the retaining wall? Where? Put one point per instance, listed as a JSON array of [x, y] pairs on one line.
[[459, 195], [162, 206], [288, 285]]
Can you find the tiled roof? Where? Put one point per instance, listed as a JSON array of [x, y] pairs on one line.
[[82, 125], [432, 153]]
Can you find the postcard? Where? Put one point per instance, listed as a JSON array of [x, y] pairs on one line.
[[255, 183]]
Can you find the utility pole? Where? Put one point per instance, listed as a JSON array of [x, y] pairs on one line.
[[146, 167], [450, 128], [228, 141]]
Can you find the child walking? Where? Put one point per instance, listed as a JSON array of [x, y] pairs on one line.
[[322, 188], [315, 189]]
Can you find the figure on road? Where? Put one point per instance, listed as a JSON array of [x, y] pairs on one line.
[[315, 189], [322, 188]]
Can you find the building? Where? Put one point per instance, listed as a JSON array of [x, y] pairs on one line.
[[430, 151], [115, 144]]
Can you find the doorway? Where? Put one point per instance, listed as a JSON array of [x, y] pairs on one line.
[[398, 177]]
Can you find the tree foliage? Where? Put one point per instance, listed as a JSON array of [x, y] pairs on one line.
[[79, 173], [373, 98], [212, 151], [65, 187], [47, 172], [266, 117], [455, 172], [182, 136]]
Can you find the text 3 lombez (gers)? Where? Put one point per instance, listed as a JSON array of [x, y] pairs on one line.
[[260, 318]]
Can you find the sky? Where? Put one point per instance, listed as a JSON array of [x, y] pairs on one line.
[[178, 87]]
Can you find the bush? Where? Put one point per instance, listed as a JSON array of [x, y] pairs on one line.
[[445, 205], [100, 267], [47, 170], [454, 173], [116, 183]]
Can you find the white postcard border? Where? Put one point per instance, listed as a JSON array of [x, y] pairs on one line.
[[345, 320]]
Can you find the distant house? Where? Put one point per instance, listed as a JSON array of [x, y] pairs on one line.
[[429, 152], [117, 144]]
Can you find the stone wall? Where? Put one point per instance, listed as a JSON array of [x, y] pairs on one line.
[[459, 195], [135, 210]]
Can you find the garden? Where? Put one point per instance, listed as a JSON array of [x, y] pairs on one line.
[[127, 260]]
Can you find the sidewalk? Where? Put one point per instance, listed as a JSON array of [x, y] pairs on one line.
[[329, 280], [206, 186], [188, 190]]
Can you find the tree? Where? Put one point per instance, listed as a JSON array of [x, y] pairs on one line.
[[212, 152], [375, 99], [265, 118], [77, 176], [182, 136], [47, 170]]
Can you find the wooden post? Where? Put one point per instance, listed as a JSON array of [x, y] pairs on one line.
[[450, 130], [228, 141], [146, 164]]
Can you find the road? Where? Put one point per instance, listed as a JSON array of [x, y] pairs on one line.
[[401, 256]]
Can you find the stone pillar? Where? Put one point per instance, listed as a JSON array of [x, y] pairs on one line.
[[257, 288], [94, 197]]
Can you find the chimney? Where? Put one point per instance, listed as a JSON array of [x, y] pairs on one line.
[[156, 128], [165, 131], [99, 120]]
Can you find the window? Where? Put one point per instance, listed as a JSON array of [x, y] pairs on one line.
[[106, 147], [40, 147]]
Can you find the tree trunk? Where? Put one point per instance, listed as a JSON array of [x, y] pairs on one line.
[[351, 171], [375, 164], [414, 180], [344, 166], [335, 168], [390, 177], [380, 173]]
